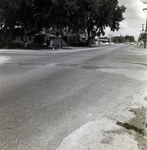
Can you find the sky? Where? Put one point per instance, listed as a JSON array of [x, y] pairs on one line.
[[134, 16]]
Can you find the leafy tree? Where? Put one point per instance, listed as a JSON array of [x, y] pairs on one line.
[[90, 15], [129, 38], [95, 15], [37, 14], [32, 14], [105, 13], [78, 14], [8, 15], [118, 39], [58, 14]]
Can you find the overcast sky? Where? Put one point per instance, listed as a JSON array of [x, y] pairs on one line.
[[134, 18]]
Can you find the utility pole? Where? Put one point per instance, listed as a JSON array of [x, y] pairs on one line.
[[145, 122], [145, 9], [142, 28]]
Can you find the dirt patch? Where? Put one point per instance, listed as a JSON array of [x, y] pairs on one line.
[[136, 126], [123, 129], [145, 98], [139, 122]]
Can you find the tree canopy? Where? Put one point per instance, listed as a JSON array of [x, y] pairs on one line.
[[122, 39], [91, 16]]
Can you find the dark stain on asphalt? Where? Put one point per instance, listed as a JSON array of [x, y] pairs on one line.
[[35, 64], [97, 67], [85, 66], [26, 64], [136, 63], [67, 65]]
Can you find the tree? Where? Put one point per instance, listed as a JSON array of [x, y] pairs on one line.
[[37, 14], [104, 13], [78, 14], [8, 15], [90, 15], [118, 39], [33, 14], [95, 15], [129, 38]]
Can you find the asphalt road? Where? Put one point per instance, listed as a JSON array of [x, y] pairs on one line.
[[46, 95]]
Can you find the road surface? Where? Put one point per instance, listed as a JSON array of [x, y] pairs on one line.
[[46, 95]]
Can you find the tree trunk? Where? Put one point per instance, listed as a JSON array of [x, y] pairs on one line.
[[10, 37], [61, 37], [77, 33], [89, 39]]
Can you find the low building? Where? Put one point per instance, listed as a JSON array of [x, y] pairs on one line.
[[22, 38], [33, 39], [48, 40]]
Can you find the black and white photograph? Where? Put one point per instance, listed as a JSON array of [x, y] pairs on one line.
[[73, 74]]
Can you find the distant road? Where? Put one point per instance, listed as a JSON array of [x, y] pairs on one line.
[[46, 95]]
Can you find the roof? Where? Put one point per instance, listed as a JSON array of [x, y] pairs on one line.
[[46, 34]]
